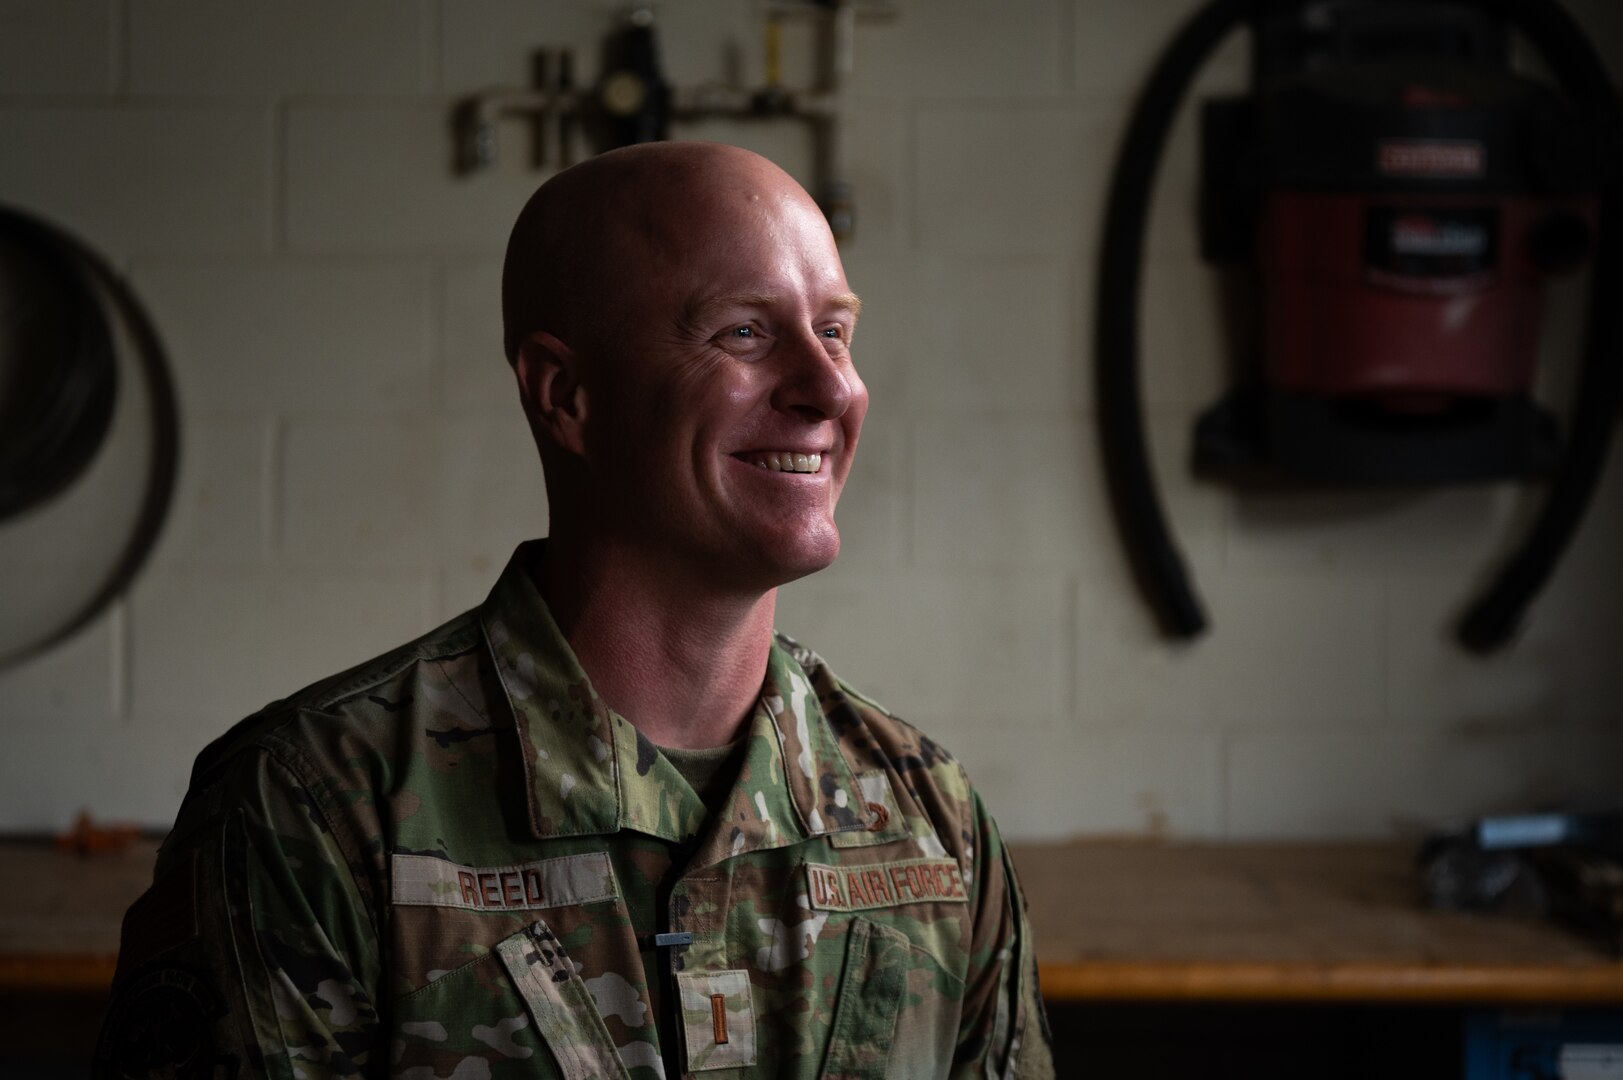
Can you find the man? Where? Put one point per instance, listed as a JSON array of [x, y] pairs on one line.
[[607, 824]]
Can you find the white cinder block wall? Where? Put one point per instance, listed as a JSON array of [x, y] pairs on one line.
[[274, 179]]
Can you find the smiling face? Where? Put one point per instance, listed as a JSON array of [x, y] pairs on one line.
[[722, 407]]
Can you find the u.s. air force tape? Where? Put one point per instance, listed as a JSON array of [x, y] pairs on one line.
[[863, 887], [425, 881]]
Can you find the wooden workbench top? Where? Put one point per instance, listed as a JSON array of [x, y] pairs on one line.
[[1114, 921], [1312, 922], [59, 922]]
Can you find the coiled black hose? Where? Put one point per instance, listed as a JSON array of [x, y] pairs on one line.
[[68, 419], [61, 385], [1159, 568]]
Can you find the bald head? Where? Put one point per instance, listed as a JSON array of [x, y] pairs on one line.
[[680, 327], [627, 212]]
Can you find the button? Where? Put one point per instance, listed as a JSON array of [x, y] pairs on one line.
[[878, 817]]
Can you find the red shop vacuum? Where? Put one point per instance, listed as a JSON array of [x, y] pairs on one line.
[[1401, 195]]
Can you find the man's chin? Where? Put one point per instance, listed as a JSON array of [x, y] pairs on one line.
[[796, 557], [805, 570]]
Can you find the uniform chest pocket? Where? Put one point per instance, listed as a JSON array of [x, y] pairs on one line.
[[872, 986], [520, 1010]]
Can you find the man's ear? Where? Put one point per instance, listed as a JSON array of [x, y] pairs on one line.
[[549, 378]]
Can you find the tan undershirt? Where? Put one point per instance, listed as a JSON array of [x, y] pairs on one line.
[[710, 772]]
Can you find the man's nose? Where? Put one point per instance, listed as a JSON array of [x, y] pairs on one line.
[[816, 383]]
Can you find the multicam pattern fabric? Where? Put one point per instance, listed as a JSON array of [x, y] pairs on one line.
[[457, 863]]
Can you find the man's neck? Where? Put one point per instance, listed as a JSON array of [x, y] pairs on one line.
[[682, 664]]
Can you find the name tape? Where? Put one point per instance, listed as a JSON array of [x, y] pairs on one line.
[[424, 881], [877, 885]]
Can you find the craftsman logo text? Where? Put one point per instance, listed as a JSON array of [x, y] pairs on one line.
[[1438, 159]]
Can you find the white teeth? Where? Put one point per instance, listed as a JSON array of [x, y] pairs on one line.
[[787, 461]]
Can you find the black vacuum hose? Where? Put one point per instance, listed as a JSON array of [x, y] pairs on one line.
[[1159, 568], [1491, 621], [1150, 548]]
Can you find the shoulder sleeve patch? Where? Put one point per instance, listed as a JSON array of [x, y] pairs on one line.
[[163, 1025]]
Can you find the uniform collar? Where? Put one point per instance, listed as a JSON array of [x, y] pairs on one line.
[[589, 771]]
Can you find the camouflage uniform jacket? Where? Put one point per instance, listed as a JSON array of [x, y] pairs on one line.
[[451, 864]]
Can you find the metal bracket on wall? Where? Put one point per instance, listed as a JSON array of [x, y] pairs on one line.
[[631, 102]]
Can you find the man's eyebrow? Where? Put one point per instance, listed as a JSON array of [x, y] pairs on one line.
[[697, 311], [848, 302]]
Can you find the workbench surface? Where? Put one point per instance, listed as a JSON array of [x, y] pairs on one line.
[[1115, 921], [59, 925], [1319, 922]]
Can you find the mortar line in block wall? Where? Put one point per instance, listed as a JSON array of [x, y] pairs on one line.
[[1225, 533], [270, 508], [910, 176], [1112, 101], [431, 21], [910, 522], [278, 179], [118, 623], [1078, 342], [1065, 35], [1388, 709], [434, 336], [436, 591], [118, 53], [1073, 645]]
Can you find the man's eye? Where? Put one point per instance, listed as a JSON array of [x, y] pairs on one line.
[[833, 331], [741, 332]]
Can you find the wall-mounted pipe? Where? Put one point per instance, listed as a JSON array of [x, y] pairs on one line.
[[636, 101], [554, 96]]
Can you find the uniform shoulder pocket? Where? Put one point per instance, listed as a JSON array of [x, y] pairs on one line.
[[560, 1004], [520, 1002]]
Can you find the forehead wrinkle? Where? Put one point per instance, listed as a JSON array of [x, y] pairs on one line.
[[698, 310]]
